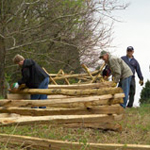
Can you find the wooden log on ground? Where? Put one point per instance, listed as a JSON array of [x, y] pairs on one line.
[[68, 102], [114, 109], [101, 91], [83, 86], [45, 144], [91, 120]]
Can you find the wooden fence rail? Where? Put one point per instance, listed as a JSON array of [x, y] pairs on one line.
[[47, 144], [73, 92]]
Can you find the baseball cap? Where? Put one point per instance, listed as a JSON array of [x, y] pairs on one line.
[[130, 48], [102, 54]]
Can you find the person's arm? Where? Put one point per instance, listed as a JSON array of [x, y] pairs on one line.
[[25, 76], [139, 73], [116, 70]]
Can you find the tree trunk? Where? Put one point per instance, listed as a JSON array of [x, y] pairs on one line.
[[2, 66]]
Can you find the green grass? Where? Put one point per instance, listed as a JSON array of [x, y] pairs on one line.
[[136, 130], [1, 97]]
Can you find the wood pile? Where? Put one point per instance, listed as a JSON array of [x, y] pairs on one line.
[[95, 105], [82, 105]]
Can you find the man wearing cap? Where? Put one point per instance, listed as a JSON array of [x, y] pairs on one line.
[[135, 67], [121, 72]]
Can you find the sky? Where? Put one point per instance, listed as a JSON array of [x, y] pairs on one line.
[[134, 30]]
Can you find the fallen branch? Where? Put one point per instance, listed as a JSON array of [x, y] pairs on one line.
[[44, 144]]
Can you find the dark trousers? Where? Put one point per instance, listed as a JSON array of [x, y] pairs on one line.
[[132, 92]]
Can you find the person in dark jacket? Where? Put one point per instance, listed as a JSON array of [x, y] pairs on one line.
[[135, 67], [32, 75], [106, 72]]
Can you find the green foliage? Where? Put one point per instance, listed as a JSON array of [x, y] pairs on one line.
[[1, 97], [145, 94]]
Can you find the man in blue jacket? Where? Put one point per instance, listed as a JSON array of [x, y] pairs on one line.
[[135, 67]]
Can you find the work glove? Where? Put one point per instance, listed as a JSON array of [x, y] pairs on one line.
[[114, 84], [15, 85], [106, 78], [141, 82]]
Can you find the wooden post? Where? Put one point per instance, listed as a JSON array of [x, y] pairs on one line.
[[87, 70], [51, 79], [66, 80], [100, 70]]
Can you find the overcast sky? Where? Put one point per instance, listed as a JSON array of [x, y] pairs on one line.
[[134, 31]]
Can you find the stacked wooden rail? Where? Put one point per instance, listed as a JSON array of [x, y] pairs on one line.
[[95, 105], [84, 78]]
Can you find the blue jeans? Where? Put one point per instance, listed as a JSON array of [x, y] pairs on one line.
[[43, 85], [125, 85]]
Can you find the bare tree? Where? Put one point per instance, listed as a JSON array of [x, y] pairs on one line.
[[102, 20], [57, 34]]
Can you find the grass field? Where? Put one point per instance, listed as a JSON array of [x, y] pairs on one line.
[[136, 130]]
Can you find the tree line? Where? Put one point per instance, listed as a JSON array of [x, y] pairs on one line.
[[58, 34]]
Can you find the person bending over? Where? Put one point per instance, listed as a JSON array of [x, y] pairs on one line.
[[120, 71], [33, 76]]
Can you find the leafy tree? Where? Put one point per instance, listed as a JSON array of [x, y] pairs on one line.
[[145, 94]]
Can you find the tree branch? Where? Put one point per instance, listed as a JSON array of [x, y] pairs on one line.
[[27, 3], [15, 14], [40, 41]]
